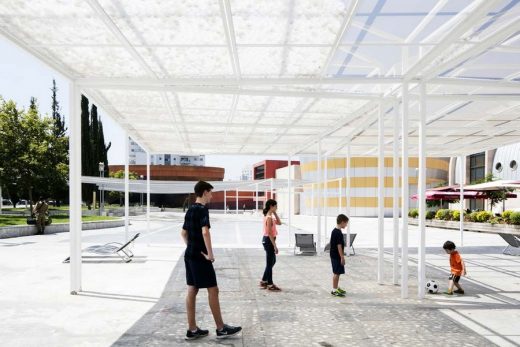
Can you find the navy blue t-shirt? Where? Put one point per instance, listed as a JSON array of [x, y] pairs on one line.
[[196, 217], [336, 238]]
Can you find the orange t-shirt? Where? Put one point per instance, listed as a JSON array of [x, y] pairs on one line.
[[456, 263]]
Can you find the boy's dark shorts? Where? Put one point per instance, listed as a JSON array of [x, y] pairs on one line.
[[455, 278], [200, 273], [337, 268]]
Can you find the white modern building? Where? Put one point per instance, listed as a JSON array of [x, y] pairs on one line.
[[138, 157]]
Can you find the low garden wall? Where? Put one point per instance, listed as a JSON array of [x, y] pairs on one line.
[[27, 230], [470, 226]]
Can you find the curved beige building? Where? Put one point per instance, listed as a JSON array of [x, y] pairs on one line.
[[363, 184]]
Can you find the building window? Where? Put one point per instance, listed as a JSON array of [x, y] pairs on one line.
[[477, 171], [498, 167], [260, 172], [513, 165], [477, 163]]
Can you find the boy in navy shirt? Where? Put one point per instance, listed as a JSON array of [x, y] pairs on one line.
[[198, 260], [337, 256]]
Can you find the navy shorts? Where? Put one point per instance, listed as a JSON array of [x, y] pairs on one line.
[[200, 273], [455, 278], [337, 268]]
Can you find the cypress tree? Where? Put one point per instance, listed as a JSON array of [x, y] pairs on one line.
[[59, 122], [86, 157]]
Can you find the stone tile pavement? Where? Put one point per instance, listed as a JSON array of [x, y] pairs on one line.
[[304, 313]]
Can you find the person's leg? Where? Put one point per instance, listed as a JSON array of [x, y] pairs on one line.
[[214, 305], [459, 287], [271, 259], [191, 298], [335, 281]]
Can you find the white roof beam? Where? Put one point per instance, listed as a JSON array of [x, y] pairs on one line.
[[109, 23], [114, 83], [426, 20], [229, 30], [367, 108], [337, 41], [479, 10], [499, 36]]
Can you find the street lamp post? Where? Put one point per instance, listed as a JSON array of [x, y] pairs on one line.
[[141, 177], [101, 197]]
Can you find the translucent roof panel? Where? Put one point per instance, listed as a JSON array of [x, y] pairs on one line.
[[276, 77]]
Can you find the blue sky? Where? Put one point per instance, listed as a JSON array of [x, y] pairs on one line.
[[23, 76]]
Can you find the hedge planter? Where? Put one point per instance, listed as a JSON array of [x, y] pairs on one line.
[[470, 226]]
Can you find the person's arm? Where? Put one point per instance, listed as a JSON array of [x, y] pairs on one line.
[[270, 233], [184, 235], [463, 267], [278, 221], [207, 241], [341, 254]]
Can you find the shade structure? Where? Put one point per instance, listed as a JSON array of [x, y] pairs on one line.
[[274, 77]]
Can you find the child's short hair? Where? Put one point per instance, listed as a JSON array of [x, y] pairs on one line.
[[201, 187], [341, 218], [449, 245]]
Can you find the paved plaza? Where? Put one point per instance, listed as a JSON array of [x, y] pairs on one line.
[[142, 303]]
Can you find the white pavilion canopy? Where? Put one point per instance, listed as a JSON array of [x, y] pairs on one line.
[[275, 77], [285, 77]]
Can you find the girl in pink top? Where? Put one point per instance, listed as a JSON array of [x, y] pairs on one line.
[[271, 220]]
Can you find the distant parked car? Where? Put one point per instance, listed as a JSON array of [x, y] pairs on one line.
[[7, 202]]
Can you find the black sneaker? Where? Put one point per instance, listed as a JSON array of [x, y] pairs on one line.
[[190, 335], [458, 291], [227, 331]]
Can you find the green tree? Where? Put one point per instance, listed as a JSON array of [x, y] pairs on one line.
[[26, 149], [113, 196], [60, 148]]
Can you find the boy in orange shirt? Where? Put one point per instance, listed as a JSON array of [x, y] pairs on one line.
[[457, 268]]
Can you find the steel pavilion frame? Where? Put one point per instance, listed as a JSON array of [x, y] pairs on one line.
[[396, 100]]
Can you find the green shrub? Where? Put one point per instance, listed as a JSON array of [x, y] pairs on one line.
[[455, 215], [483, 216], [413, 213], [494, 220], [443, 214], [430, 214], [473, 216], [514, 218], [506, 215]]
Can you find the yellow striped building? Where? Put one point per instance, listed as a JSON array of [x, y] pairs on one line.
[[363, 184]]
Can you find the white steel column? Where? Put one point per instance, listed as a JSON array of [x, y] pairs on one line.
[[312, 199], [462, 171], [395, 185], [289, 211], [1, 199], [347, 197], [421, 276], [147, 192], [225, 201], [318, 195], [380, 196], [326, 196], [404, 193], [340, 195], [272, 189], [127, 185], [75, 188], [236, 201]]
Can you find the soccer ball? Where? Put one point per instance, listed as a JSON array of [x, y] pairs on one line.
[[432, 287]]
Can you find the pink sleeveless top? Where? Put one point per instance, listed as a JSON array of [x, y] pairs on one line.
[[274, 232]]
